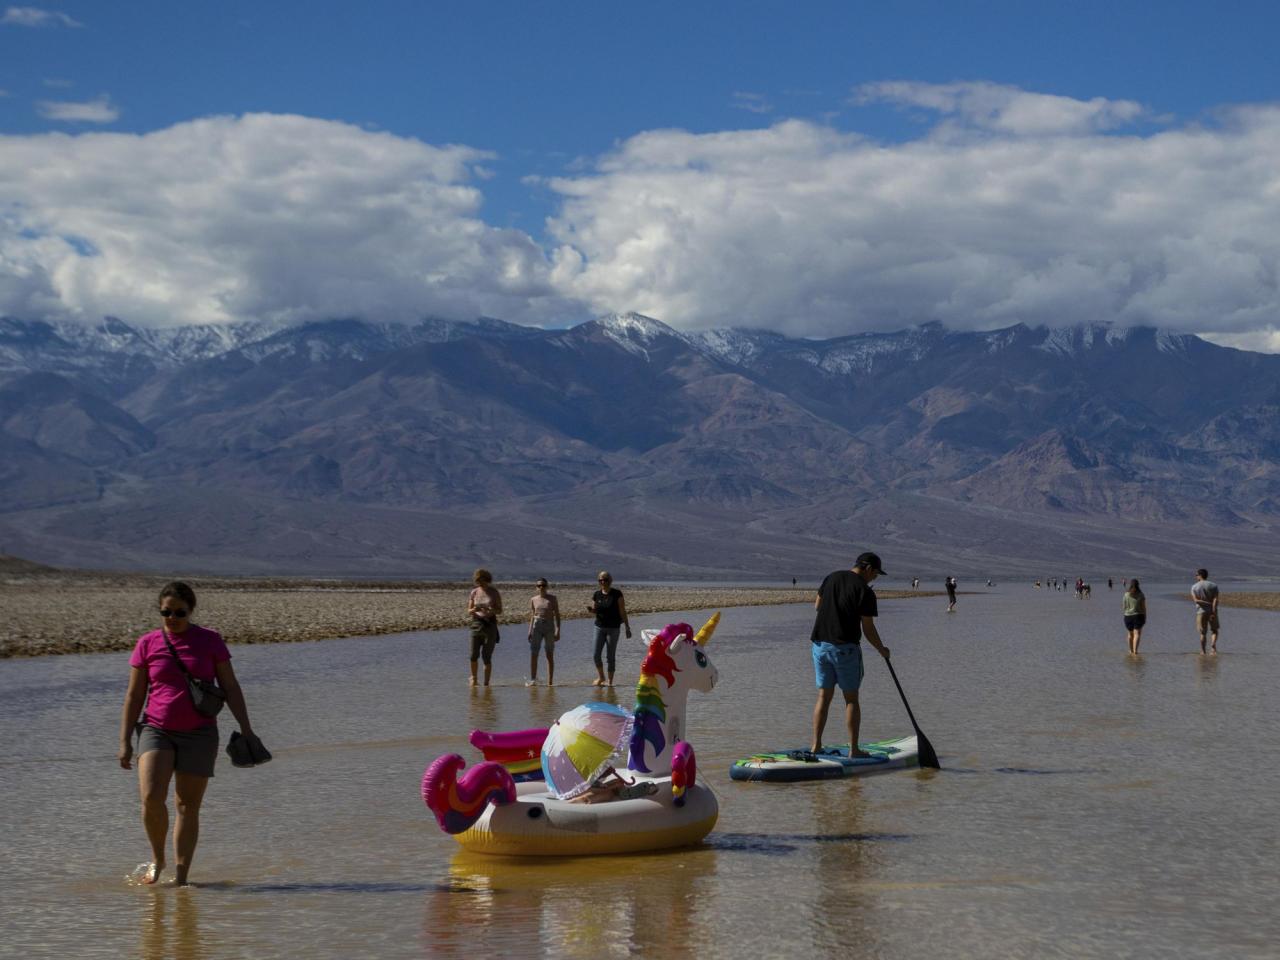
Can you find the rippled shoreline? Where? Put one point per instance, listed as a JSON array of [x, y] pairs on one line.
[[81, 613]]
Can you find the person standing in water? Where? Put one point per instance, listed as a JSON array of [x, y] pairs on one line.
[[484, 606], [610, 609], [1135, 614], [846, 611], [951, 594], [544, 627], [1205, 594]]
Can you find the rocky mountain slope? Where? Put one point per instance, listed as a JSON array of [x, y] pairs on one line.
[[350, 447]]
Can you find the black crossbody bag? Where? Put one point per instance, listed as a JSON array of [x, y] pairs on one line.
[[208, 697]]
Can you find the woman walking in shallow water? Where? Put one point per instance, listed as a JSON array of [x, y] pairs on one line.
[[175, 742], [1135, 614]]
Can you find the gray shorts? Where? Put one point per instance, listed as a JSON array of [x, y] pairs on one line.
[[540, 631], [194, 751]]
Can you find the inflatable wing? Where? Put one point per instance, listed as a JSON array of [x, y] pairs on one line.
[[684, 771]]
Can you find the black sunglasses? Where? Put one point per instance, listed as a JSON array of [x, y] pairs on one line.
[[174, 614]]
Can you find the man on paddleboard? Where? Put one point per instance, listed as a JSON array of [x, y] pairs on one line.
[[846, 610]]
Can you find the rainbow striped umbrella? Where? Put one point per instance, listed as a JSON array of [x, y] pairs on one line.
[[580, 745]]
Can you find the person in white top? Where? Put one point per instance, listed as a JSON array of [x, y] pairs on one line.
[[484, 606], [544, 627], [1205, 594]]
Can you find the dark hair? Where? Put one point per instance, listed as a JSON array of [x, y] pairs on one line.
[[1133, 585], [481, 576], [176, 588], [1202, 572]]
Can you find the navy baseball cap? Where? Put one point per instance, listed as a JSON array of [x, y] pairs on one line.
[[870, 560]]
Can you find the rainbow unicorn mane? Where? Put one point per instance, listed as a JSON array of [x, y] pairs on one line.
[[458, 802], [651, 709]]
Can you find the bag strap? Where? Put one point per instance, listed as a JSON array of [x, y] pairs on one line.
[[172, 649]]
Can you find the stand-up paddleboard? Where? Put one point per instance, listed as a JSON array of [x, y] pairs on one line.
[[786, 766]]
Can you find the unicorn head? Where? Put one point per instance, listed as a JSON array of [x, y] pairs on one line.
[[675, 664]]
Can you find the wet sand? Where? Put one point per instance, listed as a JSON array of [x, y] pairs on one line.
[[1254, 601], [85, 613]]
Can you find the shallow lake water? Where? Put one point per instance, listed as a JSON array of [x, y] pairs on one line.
[[1091, 804]]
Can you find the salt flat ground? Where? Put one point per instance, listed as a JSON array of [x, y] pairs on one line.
[[1090, 805]]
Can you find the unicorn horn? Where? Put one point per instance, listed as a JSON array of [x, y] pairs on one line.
[[708, 628]]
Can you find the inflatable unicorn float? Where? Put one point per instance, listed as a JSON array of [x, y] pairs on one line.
[[660, 806]]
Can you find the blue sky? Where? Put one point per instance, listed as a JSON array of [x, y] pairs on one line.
[[619, 123]]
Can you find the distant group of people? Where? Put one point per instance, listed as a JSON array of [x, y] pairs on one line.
[[484, 607]]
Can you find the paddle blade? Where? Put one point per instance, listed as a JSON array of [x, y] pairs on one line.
[[925, 750]]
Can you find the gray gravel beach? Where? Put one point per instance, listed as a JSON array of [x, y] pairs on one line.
[[63, 612]]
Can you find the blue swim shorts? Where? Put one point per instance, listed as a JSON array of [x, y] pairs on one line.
[[837, 663]]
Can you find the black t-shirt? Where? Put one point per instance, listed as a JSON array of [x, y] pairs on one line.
[[844, 599], [607, 612]]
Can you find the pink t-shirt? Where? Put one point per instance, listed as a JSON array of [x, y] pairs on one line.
[[169, 703]]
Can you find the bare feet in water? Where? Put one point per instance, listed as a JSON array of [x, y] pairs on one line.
[[147, 873]]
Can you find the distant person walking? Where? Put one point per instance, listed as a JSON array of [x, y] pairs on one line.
[[484, 606], [610, 609], [951, 594], [1205, 594], [915, 583], [175, 741], [846, 611], [544, 627], [1135, 614], [1110, 583]]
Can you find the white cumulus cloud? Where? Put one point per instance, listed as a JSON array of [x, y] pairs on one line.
[[98, 110], [261, 216], [798, 227], [809, 230], [36, 17], [1005, 109]]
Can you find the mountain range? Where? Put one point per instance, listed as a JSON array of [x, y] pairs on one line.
[[347, 447]]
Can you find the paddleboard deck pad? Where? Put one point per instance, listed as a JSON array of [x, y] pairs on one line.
[[788, 766]]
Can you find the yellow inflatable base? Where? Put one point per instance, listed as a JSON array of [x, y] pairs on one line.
[[538, 825], [586, 846]]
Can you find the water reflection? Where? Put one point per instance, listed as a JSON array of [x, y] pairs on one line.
[[482, 709], [171, 928], [1207, 670], [840, 911], [587, 907]]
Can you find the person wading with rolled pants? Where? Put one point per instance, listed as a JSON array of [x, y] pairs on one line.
[[846, 610], [484, 606]]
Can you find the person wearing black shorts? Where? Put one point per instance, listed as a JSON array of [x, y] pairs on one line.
[[1135, 615]]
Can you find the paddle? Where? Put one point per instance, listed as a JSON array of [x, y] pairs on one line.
[[927, 757]]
